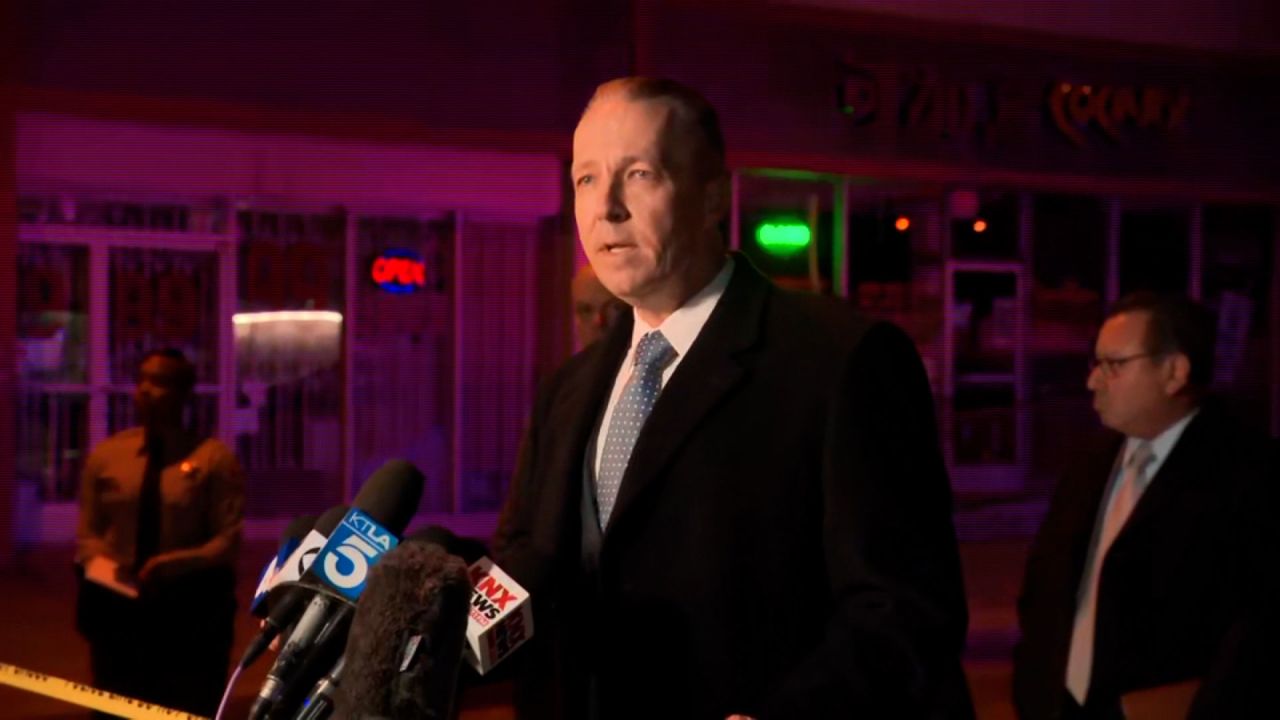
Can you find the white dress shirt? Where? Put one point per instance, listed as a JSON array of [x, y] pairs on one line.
[[680, 329], [1161, 446]]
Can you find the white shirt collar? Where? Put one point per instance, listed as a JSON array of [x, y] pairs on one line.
[[1162, 445], [681, 327]]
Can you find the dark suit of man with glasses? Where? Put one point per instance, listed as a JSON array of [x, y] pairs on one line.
[[1147, 573]]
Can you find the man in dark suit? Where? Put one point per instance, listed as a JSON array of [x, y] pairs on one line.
[[734, 505], [1148, 564]]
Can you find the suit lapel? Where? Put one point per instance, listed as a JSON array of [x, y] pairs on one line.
[[1177, 470], [711, 370]]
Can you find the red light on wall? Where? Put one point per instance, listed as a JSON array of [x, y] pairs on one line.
[[399, 271], [903, 223], [979, 225]]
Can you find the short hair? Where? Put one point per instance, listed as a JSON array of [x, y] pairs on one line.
[[692, 109], [186, 370], [1176, 324]]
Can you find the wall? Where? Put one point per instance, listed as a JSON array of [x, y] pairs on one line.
[[1246, 26]]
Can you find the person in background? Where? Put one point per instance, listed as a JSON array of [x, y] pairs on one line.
[[595, 309], [1146, 582], [161, 514]]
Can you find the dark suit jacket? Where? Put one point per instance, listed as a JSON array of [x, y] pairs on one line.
[[1181, 576], [782, 543]]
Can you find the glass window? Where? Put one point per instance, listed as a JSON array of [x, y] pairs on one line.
[[496, 325], [52, 318], [1154, 249], [163, 298], [1069, 250], [990, 233], [985, 322], [288, 347], [404, 350], [787, 229], [53, 441], [984, 416], [52, 344], [1238, 246], [895, 263]]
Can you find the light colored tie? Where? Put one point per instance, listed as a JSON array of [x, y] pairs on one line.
[[653, 354], [1132, 483]]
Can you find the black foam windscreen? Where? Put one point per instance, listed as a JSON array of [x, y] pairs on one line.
[[468, 549], [297, 528], [405, 645], [391, 494], [330, 518]]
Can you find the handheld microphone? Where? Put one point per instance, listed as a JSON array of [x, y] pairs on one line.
[[501, 615], [500, 619], [468, 549], [289, 541], [339, 572], [285, 599], [295, 566], [319, 704], [405, 646]]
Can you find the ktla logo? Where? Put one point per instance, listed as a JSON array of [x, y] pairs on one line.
[[356, 544], [491, 597]]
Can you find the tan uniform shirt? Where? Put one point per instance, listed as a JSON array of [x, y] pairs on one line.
[[202, 501]]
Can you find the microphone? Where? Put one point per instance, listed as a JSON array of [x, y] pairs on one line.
[[339, 572], [468, 549], [500, 619], [293, 568], [405, 647], [285, 600], [501, 615], [289, 541], [319, 704]]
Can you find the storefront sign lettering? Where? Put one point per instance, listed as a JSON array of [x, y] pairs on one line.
[[1110, 108], [399, 271], [920, 102]]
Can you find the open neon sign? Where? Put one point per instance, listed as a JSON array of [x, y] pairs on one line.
[[399, 271]]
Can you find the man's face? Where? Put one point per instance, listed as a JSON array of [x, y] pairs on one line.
[[640, 205], [1132, 390], [159, 395]]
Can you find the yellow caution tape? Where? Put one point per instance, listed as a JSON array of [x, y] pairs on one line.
[[86, 696]]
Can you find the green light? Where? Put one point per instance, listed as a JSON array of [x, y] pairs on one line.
[[782, 237]]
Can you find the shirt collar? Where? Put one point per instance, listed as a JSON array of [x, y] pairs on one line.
[[681, 327], [1163, 443]]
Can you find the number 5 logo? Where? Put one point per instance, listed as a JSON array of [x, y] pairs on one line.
[[358, 552]]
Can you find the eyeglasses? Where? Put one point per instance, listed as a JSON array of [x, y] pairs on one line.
[[1111, 365]]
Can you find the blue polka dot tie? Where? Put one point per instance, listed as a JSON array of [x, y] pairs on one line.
[[653, 354]]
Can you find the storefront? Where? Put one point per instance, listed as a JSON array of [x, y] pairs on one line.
[[350, 297], [991, 193], [343, 302]]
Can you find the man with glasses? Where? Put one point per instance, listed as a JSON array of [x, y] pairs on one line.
[[1147, 566]]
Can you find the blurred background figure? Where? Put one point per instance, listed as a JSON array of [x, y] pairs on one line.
[[161, 513], [595, 309]]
